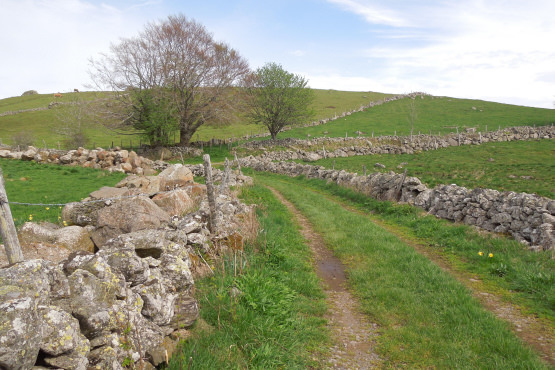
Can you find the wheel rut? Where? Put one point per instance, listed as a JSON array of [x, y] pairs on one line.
[[352, 333], [537, 333]]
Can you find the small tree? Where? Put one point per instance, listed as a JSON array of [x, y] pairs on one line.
[[278, 98], [179, 63], [74, 115], [154, 116]]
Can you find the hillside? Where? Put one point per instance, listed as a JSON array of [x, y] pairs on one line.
[[439, 114]]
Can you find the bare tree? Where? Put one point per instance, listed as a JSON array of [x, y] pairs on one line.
[[178, 62]]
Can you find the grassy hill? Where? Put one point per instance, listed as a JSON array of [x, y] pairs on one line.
[[43, 122], [438, 114]]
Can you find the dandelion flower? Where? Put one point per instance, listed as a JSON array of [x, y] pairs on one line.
[[65, 223], [490, 255], [30, 217], [47, 208], [480, 253]]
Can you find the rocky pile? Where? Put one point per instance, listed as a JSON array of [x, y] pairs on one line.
[[529, 218], [120, 292], [112, 160]]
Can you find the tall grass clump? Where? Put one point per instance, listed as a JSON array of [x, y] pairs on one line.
[[263, 306]]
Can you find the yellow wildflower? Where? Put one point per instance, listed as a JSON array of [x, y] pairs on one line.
[[30, 217], [480, 253], [490, 255], [47, 208]]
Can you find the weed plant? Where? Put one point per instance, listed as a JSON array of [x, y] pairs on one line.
[[427, 319], [263, 308], [30, 182]]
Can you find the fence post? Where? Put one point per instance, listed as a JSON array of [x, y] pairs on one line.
[[212, 225], [7, 227], [237, 162]]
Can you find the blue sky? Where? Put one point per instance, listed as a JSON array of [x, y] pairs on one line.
[[498, 50]]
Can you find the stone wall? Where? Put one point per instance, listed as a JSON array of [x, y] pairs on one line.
[[116, 160], [529, 218], [315, 149], [117, 290]]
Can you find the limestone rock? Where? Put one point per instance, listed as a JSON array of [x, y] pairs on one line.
[[175, 176], [176, 202], [126, 216], [61, 333], [19, 338]]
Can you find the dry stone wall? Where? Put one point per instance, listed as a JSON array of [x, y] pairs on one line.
[[315, 149], [116, 160], [529, 218], [122, 294]]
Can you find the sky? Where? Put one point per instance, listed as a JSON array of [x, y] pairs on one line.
[[495, 50]]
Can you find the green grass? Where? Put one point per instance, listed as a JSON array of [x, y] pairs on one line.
[[42, 123], [277, 321], [440, 115], [502, 166], [29, 182], [530, 277], [426, 318]]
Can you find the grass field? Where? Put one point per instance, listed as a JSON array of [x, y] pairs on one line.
[[42, 123], [426, 318], [521, 166], [29, 182], [438, 114]]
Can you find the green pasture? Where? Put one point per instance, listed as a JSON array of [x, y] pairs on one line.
[[41, 124], [520, 166], [440, 115], [30, 182]]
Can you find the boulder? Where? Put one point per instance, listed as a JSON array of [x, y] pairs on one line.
[[107, 192], [61, 334], [175, 202], [71, 238], [126, 216], [82, 213], [175, 176], [91, 303], [19, 338], [142, 184], [186, 311]]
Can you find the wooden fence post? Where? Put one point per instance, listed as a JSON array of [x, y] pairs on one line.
[[237, 162], [213, 224], [7, 227]]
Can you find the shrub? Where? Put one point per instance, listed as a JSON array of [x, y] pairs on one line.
[[23, 139]]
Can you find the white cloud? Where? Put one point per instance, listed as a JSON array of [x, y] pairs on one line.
[[492, 49], [50, 41], [372, 13]]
